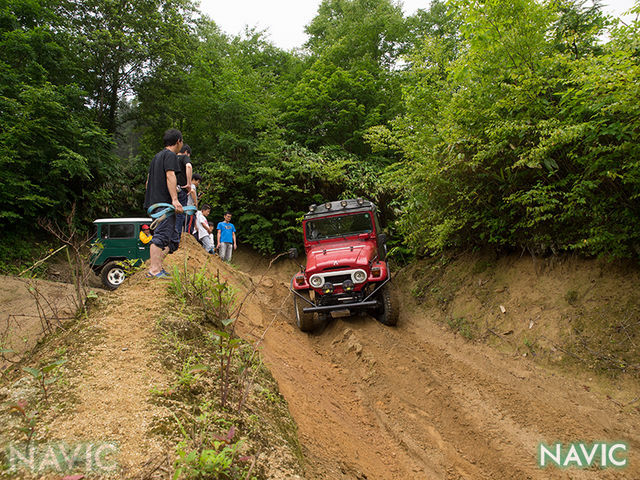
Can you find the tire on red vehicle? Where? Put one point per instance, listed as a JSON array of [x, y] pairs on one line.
[[304, 321], [388, 311]]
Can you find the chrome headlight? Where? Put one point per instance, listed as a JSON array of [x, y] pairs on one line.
[[359, 276], [315, 281]]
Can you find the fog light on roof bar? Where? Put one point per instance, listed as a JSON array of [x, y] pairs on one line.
[[327, 288], [312, 208], [360, 200], [343, 203], [328, 205]]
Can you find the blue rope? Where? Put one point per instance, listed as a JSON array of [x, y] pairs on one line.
[[166, 211]]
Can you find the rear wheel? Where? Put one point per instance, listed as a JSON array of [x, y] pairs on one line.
[[112, 275], [304, 321], [387, 312]]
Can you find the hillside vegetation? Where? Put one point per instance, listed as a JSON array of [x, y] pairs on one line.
[[509, 124]]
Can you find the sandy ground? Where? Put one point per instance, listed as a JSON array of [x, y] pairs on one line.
[[113, 377], [371, 402], [418, 402], [22, 323]]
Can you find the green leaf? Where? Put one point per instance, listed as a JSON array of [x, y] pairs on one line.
[[33, 371], [54, 365]]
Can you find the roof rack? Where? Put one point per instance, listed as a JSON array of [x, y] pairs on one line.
[[340, 206]]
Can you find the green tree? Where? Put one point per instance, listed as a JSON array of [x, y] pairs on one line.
[[50, 150], [519, 141], [119, 41], [359, 34]]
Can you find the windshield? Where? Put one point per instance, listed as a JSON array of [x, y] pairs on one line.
[[343, 225]]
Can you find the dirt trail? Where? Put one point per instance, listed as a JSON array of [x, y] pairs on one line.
[[417, 402], [113, 376], [371, 402]]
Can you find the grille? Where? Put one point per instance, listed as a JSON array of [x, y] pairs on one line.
[[337, 278]]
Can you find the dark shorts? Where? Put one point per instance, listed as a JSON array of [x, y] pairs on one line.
[[163, 233]]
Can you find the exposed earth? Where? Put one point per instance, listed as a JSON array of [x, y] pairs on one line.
[[22, 317], [371, 402]]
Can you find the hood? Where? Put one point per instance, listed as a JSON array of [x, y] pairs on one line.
[[340, 254]]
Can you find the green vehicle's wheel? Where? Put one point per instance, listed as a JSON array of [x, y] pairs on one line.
[[304, 321], [112, 275]]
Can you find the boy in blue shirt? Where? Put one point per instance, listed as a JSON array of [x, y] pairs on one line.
[[226, 238]]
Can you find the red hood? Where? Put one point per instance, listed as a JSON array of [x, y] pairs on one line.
[[340, 254]]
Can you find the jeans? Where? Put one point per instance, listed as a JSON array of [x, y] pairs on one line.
[[207, 243], [226, 249], [180, 218]]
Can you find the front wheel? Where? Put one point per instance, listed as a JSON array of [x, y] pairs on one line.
[[304, 321], [387, 312], [112, 275]]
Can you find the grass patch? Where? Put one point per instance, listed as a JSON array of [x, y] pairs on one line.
[[571, 297], [462, 326], [230, 419], [607, 339]]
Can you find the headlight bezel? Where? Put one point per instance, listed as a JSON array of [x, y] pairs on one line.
[[316, 281], [359, 276]]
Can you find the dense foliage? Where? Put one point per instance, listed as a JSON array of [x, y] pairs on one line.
[[472, 123], [525, 135]]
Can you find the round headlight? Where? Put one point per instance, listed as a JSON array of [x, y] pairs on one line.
[[315, 281], [359, 276]]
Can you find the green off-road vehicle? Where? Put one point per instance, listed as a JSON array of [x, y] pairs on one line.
[[117, 248]]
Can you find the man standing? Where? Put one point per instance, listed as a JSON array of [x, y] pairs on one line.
[[204, 230], [226, 238], [193, 193], [183, 177], [162, 188], [192, 199]]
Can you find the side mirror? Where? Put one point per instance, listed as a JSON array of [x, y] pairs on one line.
[[293, 253], [382, 238]]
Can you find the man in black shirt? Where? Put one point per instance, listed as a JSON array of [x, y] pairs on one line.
[[162, 188], [184, 186]]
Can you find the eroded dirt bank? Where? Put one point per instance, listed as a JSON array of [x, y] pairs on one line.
[[411, 402], [416, 401]]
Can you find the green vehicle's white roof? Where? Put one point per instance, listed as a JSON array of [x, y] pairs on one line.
[[123, 220]]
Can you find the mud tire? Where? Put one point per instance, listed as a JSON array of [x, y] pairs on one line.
[[304, 321], [388, 312], [112, 275]]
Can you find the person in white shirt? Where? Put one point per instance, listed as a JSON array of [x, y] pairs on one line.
[[193, 196], [205, 231], [192, 199]]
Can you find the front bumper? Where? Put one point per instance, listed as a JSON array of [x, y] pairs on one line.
[[366, 304]]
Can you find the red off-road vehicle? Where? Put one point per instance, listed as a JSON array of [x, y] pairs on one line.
[[347, 269]]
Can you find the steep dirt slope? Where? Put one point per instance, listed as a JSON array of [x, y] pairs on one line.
[[411, 402], [418, 402], [21, 325], [113, 374]]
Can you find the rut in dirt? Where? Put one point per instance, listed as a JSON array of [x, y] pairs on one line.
[[415, 401]]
